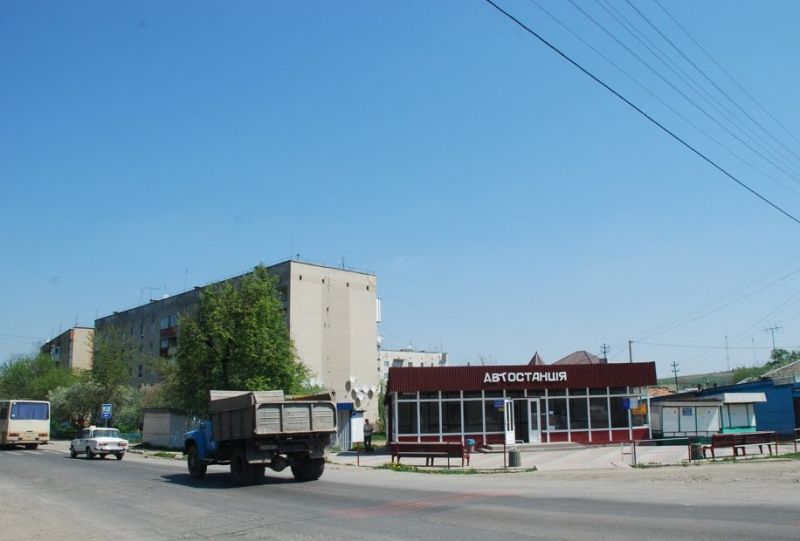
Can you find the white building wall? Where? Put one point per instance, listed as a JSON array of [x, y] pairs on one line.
[[408, 357], [332, 319]]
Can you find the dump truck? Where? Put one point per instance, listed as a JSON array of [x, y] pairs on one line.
[[254, 430]]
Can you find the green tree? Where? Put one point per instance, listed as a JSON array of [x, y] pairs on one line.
[[115, 354], [76, 403], [238, 341], [778, 358], [32, 377]]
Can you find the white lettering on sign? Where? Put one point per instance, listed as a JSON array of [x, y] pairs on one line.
[[520, 377]]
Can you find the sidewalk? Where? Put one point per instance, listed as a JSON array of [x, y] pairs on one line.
[[582, 458]]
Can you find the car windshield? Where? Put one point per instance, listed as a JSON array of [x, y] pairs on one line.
[[106, 433]]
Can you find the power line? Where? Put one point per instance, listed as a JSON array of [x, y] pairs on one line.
[[726, 72], [658, 98], [708, 115], [642, 112], [709, 79], [693, 346]]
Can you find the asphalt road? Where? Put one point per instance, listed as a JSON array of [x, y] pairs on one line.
[[45, 495]]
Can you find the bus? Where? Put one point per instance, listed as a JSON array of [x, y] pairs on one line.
[[24, 422]]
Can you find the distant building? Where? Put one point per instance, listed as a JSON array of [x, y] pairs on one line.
[[72, 349], [332, 318], [581, 357], [408, 357]]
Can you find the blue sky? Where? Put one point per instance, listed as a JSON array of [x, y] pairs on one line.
[[507, 203]]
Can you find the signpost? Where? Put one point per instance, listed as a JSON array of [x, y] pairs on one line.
[[105, 412]]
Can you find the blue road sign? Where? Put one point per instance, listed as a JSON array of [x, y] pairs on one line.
[[105, 411]]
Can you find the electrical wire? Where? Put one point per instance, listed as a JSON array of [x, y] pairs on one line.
[[643, 113], [785, 166], [665, 104], [726, 72], [710, 80], [669, 83]]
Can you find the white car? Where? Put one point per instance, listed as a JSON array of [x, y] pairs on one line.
[[98, 441]]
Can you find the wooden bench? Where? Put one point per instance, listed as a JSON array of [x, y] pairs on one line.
[[741, 441], [429, 451]]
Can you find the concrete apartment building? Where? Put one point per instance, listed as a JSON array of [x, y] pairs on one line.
[[72, 349], [408, 357], [332, 317]]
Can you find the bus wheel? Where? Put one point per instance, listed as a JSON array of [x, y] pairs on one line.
[[31, 446]]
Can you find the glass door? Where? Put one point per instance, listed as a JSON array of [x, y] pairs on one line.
[[534, 429], [508, 409]]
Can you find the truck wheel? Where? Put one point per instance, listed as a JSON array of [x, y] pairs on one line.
[[308, 469], [197, 468], [242, 472]]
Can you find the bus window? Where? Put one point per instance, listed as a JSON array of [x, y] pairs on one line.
[[30, 411]]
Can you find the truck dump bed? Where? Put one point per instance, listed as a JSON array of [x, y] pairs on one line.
[[239, 415]]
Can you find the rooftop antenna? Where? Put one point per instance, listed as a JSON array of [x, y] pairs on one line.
[[150, 289]]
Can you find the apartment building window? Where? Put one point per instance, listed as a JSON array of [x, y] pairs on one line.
[[169, 321], [141, 371]]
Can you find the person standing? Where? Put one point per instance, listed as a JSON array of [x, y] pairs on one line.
[[368, 430]]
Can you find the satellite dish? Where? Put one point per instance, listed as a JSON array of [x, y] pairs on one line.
[[370, 393], [358, 402], [354, 394], [348, 385]]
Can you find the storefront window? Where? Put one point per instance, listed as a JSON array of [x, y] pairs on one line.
[[434, 395], [407, 396], [473, 394], [598, 408], [618, 390], [451, 417], [514, 394], [495, 415], [619, 413], [429, 417], [598, 390], [473, 416], [497, 394], [577, 392], [557, 392], [451, 394], [578, 413], [407, 417], [558, 414]]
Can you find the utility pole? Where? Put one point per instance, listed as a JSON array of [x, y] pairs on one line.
[[604, 348], [727, 355], [630, 351], [772, 330], [675, 372]]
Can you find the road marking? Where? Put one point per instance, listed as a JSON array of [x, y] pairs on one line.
[[399, 507]]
